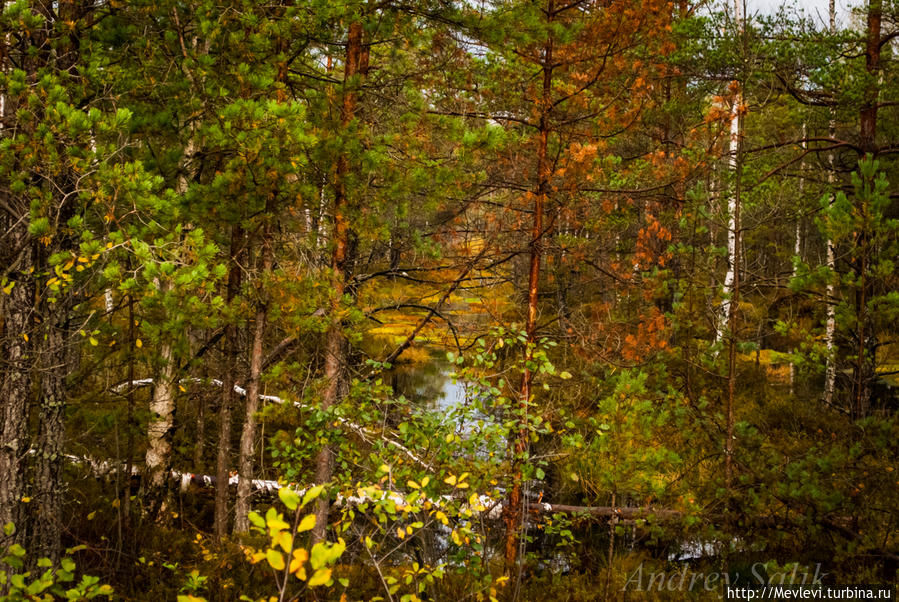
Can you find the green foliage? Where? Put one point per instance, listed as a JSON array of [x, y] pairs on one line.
[[623, 445], [47, 581], [866, 236]]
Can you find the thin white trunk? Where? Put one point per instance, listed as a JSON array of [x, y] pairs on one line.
[[729, 278], [797, 247], [830, 371], [733, 148]]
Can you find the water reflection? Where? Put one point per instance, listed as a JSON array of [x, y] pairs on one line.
[[429, 384]]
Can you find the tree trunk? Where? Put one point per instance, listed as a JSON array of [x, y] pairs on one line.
[[248, 435], [864, 368], [161, 426], [732, 282], [732, 208], [53, 351], [830, 370], [16, 387], [515, 510], [797, 242], [732, 321], [130, 421], [51, 435], [868, 116], [223, 457], [335, 343]]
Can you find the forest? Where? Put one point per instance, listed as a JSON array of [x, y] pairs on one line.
[[480, 300]]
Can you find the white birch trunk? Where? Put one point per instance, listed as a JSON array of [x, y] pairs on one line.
[[830, 371], [162, 418], [729, 277], [797, 247]]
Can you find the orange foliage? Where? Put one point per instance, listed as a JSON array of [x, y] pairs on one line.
[[650, 337]]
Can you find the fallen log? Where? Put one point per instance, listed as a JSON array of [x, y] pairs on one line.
[[362, 432]]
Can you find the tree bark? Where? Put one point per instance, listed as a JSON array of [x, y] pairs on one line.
[[130, 421], [335, 342], [864, 368], [223, 456], [51, 436], [17, 383], [797, 243], [733, 244], [515, 509], [733, 287], [161, 426], [248, 434], [830, 370]]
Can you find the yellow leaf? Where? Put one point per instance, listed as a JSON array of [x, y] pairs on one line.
[[182, 389], [320, 577], [307, 523], [91, 515], [138, 343], [25, 336], [412, 484], [450, 480], [300, 556], [425, 481], [275, 559], [400, 533], [285, 540], [93, 341]]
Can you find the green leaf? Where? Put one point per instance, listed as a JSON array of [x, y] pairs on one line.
[[257, 520], [311, 494], [289, 497]]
